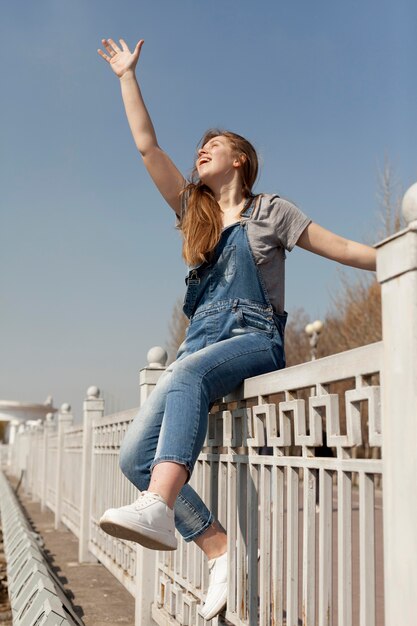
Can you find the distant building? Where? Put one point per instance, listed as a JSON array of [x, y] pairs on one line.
[[18, 413]]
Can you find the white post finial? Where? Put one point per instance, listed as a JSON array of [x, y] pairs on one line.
[[157, 357], [409, 204], [93, 392], [65, 408]]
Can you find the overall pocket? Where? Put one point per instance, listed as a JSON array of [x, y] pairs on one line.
[[254, 322]]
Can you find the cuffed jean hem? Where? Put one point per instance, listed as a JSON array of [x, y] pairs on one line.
[[202, 530], [173, 459]]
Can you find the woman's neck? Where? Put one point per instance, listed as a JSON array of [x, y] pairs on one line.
[[231, 207], [230, 200]]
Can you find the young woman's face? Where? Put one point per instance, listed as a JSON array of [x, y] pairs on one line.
[[216, 158]]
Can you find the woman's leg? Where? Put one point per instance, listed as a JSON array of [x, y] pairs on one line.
[[213, 542], [196, 381], [137, 452], [173, 421]]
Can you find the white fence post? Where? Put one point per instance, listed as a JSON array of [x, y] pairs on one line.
[[28, 459], [146, 559], [48, 425], [64, 420], [13, 428], [93, 408], [397, 273]]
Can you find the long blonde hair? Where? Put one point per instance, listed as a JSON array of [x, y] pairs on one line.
[[201, 223]]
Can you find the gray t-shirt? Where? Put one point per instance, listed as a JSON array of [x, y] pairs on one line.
[[274, 226]]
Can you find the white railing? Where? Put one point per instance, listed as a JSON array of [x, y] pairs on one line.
[[304, 528], [4, 455], [267, 502], [71, 478], [111, 489]]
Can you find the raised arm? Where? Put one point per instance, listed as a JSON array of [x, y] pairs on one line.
[[317, 239], [162, 170]]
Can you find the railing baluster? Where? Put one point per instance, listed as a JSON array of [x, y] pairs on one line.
[[309, 547], [367, 549], [265, 546], [231, 536], [278, 546], [325, 548], [344, 522], [241, 512], [252, 544], [292, 546]]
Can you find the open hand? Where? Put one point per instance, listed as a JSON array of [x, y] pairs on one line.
[[120, 60]]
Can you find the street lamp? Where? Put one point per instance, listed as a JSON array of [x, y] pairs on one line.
[[313, 330]]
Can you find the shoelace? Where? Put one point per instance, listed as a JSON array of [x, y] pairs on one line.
[[145, 498]]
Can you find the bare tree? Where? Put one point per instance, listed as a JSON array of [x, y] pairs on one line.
[[355, 316], [177, 328], [297, 347], [389, 194]]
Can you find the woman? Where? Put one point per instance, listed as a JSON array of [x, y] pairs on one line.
[[234, 244]]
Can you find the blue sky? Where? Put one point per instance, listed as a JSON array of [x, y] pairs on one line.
[[90, 260]]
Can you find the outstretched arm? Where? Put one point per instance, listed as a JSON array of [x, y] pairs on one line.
[[164, 173], [317, 239]]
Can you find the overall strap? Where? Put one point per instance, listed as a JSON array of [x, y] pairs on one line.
[[249, 209]]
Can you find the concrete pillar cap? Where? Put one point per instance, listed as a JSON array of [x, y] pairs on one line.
[[157, 357], [93, 392], [409, 204]]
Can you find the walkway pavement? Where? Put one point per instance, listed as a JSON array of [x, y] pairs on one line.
[[97, 596]]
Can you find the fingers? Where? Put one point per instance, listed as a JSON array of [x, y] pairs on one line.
[[138, 48], [125, 47], [104, 56], [113, 49], [114, 45]]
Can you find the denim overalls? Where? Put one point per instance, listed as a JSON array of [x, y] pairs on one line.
[[233, 334]]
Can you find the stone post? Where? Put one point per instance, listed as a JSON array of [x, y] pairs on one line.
[[13, 441], [16, 461], [29, 456], [146, 559], [48, 426], [12, 430], [64, 421], [397, 273], [149, 375], [93, 409]]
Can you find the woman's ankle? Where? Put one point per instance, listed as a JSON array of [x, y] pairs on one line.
[[213, 541]]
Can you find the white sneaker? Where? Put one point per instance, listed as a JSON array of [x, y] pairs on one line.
[[148, 521], [216, 597]]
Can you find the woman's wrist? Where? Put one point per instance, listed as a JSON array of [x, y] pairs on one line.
[[128, 75]]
